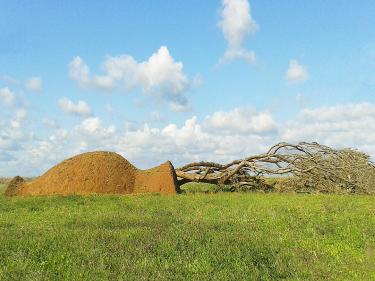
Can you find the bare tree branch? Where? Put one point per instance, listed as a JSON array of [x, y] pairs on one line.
[[310, 163]]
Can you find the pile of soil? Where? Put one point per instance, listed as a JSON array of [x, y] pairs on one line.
[[99, 172]]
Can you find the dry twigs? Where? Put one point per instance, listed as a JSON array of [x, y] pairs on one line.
[[310, 164]]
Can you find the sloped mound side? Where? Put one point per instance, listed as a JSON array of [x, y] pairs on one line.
[[14, 186], [97, 173], [161, 179]]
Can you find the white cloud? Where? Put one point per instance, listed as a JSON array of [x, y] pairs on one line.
[[348, 125], [230, 54], [94, 125], [13, 134], [7, 96], [296, 72], [59, 134], [160, 77], [353, 112], [19, 116], [145, 146], [80, 72], [241, 121], [236, 23], [91, 125], [221, 136], [34, 84], [80, 108], [190, 142]]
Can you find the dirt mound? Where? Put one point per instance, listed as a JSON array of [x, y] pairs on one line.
[[98, 172], [159, 179], [14, 186]]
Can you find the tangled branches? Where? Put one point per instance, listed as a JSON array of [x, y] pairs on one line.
[[310, 165]]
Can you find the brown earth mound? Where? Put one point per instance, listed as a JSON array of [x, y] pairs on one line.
[[14, 185], [98, 172]]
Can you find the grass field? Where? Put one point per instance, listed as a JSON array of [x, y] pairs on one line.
[[2, 188], [222, 236]]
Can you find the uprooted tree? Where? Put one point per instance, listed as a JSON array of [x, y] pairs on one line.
[[306, 166]]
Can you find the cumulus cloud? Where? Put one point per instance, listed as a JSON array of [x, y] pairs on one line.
[[13, 135], [236, 23], [144, 145], [7, 96], [348, 125], [296, 72], [221, 136], [190, 142], [240, 121], [19, 116], [80, 108], [93, 125], [80, 72], [160, 77], [34, 84]]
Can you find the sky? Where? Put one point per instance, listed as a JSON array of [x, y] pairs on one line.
[[182, 80]]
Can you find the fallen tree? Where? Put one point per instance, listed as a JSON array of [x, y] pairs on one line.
[[307, 166]]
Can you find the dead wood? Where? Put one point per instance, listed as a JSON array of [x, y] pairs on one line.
[[312, 164]]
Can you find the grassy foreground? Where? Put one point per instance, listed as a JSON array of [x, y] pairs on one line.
[[188, 237]]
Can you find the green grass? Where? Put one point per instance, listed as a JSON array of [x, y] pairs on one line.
[[2, 189], [188, 237]]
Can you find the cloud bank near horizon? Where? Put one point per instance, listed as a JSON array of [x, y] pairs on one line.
[[220, 136]]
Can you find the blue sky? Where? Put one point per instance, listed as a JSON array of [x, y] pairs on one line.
[[182, 80]]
